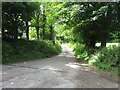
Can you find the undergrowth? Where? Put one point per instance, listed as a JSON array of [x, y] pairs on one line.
[[21, 50], [107, 58]]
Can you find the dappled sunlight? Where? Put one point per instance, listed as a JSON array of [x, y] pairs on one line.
[[51, 68], [72, 65], [69, 56], [92, 61], [84, 64], [60, 55], [64, 55], [85, 69]]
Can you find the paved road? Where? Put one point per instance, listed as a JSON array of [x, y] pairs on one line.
[[61, 71]]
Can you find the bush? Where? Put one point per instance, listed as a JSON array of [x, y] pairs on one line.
[[24, 50], [79, 50], [115, 41], [8, 49], [106, 59]]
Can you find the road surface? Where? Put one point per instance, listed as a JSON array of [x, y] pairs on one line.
[[61, 71]]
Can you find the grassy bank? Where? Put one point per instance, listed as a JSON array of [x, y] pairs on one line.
[[22, 50], [106, 59]]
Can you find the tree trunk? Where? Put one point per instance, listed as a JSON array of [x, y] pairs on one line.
[[51, 32], [27, 30], [37, 31], [104, 37], [16, 31], [37, 27], [103, 43], [43, 34], [92, 42], [44, 21], [16, 34]]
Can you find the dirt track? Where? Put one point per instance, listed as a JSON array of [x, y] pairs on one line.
[[61, 71]]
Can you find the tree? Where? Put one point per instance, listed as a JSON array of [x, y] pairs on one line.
[[51, 18], [37, 18], [16, 17], [27, 15], [11, 19], [43, 21], [91, 21]]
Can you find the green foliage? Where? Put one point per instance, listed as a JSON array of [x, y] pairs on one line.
[[114, 41], [106, 59], [85, 22], [14, 18], [79, 50], [91, 22], [8, 48], [27, 50], [64, 33], [32, 33]]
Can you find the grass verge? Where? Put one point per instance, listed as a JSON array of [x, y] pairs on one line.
[[22, 50], [106, 59]]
